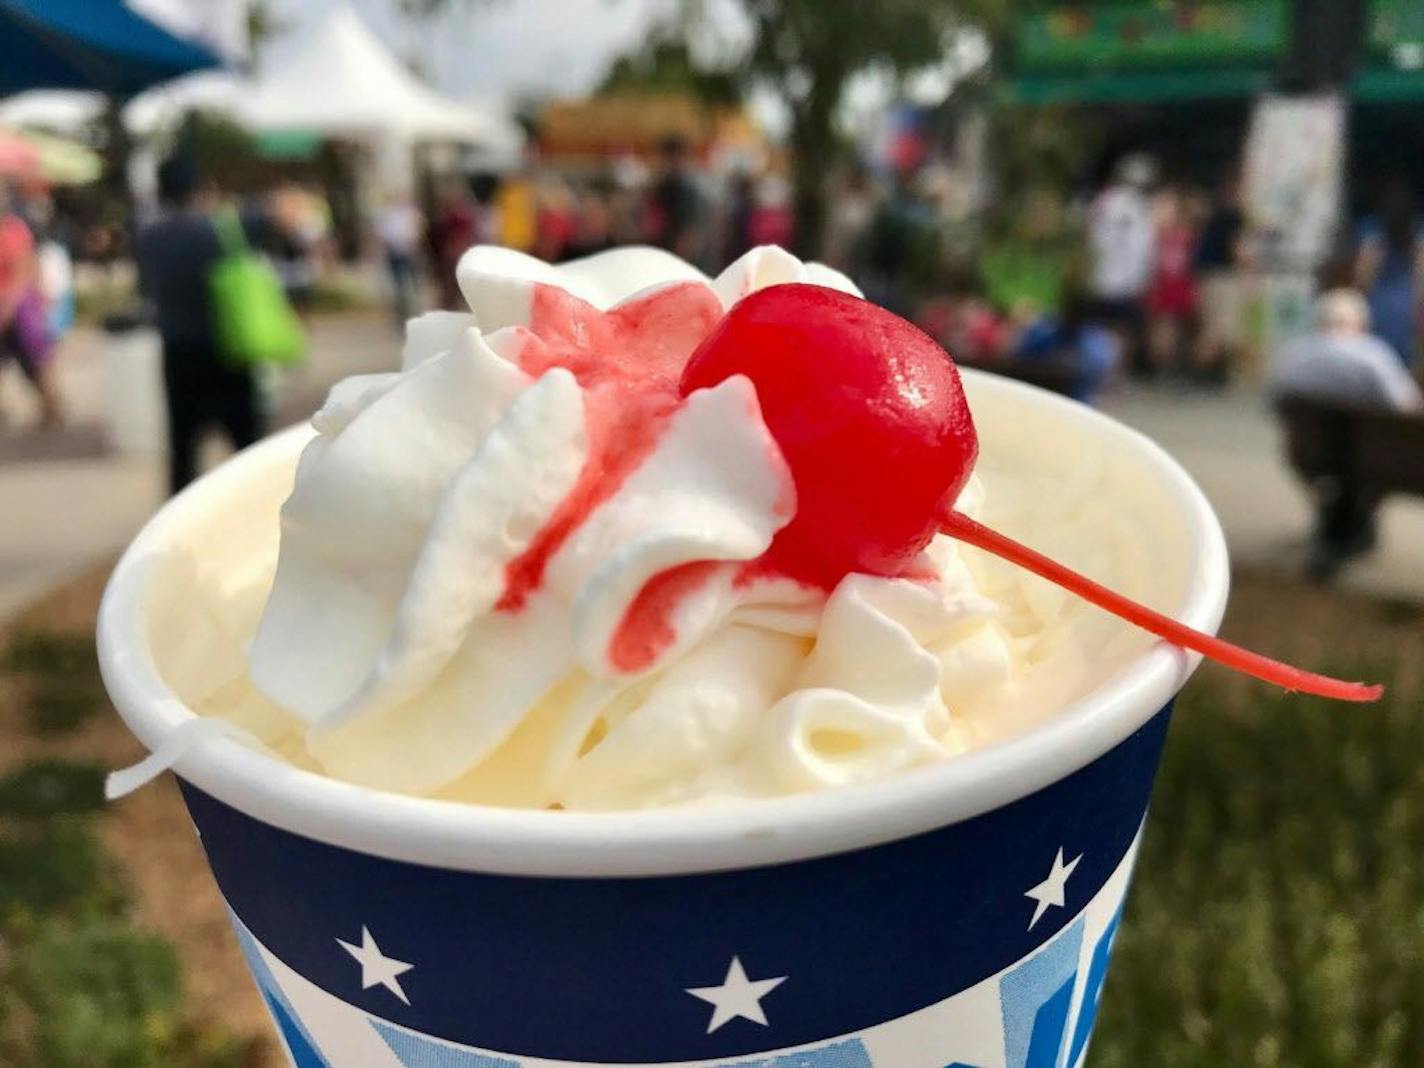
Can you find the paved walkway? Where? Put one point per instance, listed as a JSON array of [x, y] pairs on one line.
[[1230, 444], [67, 499]]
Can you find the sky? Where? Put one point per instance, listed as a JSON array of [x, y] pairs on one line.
[[499, 49]]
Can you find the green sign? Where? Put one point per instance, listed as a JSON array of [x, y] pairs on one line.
[[1394, 23], [1394, 66], [1153, 35]]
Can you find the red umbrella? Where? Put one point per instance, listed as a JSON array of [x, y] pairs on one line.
[[19, 158]]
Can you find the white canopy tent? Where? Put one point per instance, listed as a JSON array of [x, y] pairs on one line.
[[164, 106], [69, 111], [342, 81], [64, 111], [339, 81]]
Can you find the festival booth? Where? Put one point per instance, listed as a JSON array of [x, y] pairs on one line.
[[583, 134]]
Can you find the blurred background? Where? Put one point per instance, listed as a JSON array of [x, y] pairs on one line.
[[1203, 217]]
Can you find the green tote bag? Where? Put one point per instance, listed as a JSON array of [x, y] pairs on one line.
[[252, 320]]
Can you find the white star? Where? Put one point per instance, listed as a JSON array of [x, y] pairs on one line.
[[1050, 891], [737, 996], [377, 969]]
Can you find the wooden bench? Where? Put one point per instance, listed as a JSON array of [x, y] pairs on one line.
[[1376, 452]]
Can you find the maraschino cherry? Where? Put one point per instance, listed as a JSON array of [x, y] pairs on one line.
[[871, 417]]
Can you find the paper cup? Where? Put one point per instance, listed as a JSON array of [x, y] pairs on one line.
[[961, 914]]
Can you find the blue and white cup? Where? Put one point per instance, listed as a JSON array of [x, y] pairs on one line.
[[958, 915]]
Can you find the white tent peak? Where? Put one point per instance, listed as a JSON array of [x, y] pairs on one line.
[[342, 81]]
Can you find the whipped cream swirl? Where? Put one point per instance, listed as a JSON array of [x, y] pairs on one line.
[[466, 603]]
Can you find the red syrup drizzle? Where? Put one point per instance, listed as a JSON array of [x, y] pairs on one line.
[[628, 362], [646, 629]]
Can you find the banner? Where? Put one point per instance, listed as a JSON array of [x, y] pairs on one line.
[[1295, 158]]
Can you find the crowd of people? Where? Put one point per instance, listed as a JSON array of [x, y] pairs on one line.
[[558, 217]]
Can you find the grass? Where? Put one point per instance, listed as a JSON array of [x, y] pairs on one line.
[[1278, 913], [63, 676], [52, 787], [1277, 917], [81, 986]]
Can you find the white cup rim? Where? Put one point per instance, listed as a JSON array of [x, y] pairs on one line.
[[668, 841]]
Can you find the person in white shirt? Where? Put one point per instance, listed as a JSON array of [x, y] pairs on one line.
[[1342, 362], [399, 226], [1122, 242]]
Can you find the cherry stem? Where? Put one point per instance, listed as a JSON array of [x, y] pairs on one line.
[[960, 526]]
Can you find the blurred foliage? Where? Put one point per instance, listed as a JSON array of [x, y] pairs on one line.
[[95, 994], [667, 67], [336, 294], [264, 25], [80, 986], [1278, 912], [55, 869], [44, 652], [102, 297], [61, 705], [52, 787], [808, 51], [1042, 147], [63, 675]]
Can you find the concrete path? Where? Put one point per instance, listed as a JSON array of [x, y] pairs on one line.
[[67, 499], [1231, 445]]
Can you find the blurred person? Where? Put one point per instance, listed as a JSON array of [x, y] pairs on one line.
[[1387, 265], [1171, 301], [25, 331], [176, 255], [593, 229], [485, 187], [626, 178], [673, 207], [737, 221], [454, 228], [901, 247], [399, 225], [513, 205], [1027, 264], [1221, 256], [1342, 362], [1121, 241], [555, 220], [53, 264], [770, 221], [851, 209], [289, 236], [965, 325], [1070, 337]]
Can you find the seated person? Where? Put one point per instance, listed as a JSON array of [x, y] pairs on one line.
[[1340, 361], [1093, 352]]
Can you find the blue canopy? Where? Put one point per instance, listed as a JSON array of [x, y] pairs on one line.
[[89, 44]]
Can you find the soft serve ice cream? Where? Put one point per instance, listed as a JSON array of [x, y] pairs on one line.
[[526, 569]]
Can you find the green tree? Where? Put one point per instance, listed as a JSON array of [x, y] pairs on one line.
[[809, 50], [666, 65]]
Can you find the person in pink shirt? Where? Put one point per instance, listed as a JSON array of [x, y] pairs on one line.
[[1172, 295], [24, 321]]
